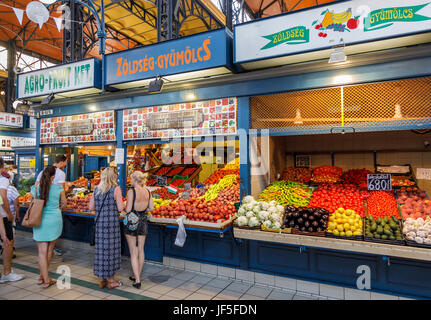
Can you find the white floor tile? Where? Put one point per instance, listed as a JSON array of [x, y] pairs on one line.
[[239, 287], [258, 291], [280, 295], [331, 291]]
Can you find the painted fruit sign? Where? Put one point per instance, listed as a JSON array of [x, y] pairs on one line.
[[347, 22]]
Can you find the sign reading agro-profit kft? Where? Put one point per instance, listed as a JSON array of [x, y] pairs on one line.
[[68, 77], [201, 51]]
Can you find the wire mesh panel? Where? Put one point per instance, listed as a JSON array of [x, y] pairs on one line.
[[302, 110], [392, 105]]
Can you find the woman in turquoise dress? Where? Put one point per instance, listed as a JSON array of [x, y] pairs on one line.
[[51, 225]]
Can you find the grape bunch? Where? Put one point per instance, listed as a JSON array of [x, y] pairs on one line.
[[338, 27]]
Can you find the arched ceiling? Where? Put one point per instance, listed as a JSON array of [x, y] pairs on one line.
[[265, 8]]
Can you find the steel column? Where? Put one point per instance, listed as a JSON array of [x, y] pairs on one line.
[[10, 82]]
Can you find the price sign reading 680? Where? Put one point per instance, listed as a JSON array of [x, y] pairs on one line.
[[379, 182]]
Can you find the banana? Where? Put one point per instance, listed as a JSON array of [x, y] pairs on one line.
[[341, 17]]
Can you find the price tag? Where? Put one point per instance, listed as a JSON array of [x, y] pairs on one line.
[[423, 174], [187, 186], [162, 180], [379, 182], [156, 195], [186, 195]]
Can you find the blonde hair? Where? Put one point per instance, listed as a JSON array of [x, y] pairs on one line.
[[107, 181], [139, 177]]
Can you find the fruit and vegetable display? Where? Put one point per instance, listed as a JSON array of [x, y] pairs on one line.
[[345, 223], [334, 196], [418, 230], [306, 219], [356, 176], [187, 171], [230, 194], [233, 165], [382, 204], [79, 203], [160, 203], [386, 228], [196, 209], [26, 184], [414, 203], [254, 213], [80, 182], [177, 182], [402, 181], [287, 193], [296, 174], [162, 171], [220, 174], [165, 194], [175, 171], [326, 174], [26, 198], [227, 181]]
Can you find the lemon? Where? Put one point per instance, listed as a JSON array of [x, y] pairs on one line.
[[336, 233], [332, 218], [346, 226], [341, 210], [342, 234], [340, 228], [356, 225], [357, 233], [349, 233], [331, 225], [340, 221], [338, 215], [351, 222]]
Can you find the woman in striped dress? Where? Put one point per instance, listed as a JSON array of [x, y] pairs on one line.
[[107, 202]]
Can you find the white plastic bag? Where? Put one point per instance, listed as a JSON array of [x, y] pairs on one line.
[[181, 234]]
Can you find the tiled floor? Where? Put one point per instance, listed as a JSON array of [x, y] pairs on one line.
[[159, 282]]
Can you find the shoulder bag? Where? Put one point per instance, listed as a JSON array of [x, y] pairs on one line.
[[33, 216], [131, 220], [93, 234]]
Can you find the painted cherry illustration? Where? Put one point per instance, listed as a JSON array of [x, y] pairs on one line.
[[352, 23]]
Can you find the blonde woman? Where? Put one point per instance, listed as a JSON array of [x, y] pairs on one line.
[[107, 202], [139, 201]]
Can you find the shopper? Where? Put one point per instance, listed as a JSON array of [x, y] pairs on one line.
[[107, 201], [60, 164], [139, 201], [12, 197], [8, 218], [51, 224]]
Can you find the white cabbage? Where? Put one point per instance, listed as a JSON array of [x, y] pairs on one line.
[[249, 206], [275, 217], [263, 215], [419, 240], [280, 208], [256, 209], [248, 199], [273, 203], [264, 205], [249, 214], [241, 211], [253, 222], [242, 221], [272, 210], [276, 225], [267, 223]]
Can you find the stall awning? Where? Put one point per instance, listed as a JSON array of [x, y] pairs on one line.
[[364, 26]]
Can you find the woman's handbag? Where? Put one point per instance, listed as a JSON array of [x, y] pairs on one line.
[[93, 234], [131, 220], [33, 216]]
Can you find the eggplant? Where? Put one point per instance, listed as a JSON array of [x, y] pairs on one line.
[[315, 224], [310, 229], [325, 217], [305, 216], [324, 224], [306, 224], [303, 229], [319, 229], [290, 209], [311, 218], [310, 210], [317, 214], [300, 221], [296, 226], [296, 214], [291, 223]]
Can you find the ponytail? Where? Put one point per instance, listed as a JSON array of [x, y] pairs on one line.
[[45, 183]]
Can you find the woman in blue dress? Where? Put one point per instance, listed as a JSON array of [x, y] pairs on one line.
[[51, 225]]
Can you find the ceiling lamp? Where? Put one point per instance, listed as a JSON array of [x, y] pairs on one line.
[[398, 114], [37, 12], [156, 85], [298, 118], [47, 100]]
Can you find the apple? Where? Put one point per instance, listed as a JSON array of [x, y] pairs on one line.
[[352, 23]]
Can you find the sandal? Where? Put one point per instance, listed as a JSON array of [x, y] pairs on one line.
[[103, 283], [132, 278], [137, 285], [40, 281], [114, 284], [49, 284]]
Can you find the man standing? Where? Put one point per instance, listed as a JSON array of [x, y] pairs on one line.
[[5, 211], [59, 178]]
